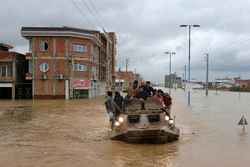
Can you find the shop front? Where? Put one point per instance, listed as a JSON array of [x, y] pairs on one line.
[[81, 89], [7, 91]]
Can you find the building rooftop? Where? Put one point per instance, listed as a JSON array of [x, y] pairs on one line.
[[5, 45], [64, 28], [29, 32]]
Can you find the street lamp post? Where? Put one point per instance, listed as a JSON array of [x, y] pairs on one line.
[[189, 43], [169, 86]]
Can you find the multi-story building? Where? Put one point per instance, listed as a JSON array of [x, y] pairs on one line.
[[242, 82], [137, 77], [125, 77], [13, 68], [113, 40], [173, 81], [66, 62]]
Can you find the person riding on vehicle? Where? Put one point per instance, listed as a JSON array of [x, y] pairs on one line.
[[134, 89], [149, 89]]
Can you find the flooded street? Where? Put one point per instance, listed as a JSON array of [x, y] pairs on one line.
[[74, 133]]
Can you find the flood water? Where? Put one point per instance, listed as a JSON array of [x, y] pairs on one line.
[[56, 133]]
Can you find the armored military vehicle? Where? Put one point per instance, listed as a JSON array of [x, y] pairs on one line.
[[144, 122]]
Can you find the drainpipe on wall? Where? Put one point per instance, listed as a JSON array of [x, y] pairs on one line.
[[54, 68], [71, 78]]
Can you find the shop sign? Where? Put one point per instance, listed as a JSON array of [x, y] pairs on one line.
[[81, 84]]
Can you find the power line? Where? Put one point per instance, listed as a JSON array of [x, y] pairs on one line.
[[121, 52], [119, 49], [87, 18], [233, 46], [82, 14], [92, 13], [231, 51], [99, 16]]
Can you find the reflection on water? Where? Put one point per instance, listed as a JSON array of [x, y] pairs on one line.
[[74, 133]]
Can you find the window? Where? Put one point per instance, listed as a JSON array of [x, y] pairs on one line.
[[78, 67], [75, 67], [9, 71], [43, 46], [6, 71], [3, 71], [154, 118], [44, 67], [95, 51], [80, 48], [133, 118], [94, 69], [30, 66]]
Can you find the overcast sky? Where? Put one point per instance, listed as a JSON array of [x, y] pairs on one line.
[[146, 29]]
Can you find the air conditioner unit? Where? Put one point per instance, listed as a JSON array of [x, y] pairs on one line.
[[44, 77], [59, 76], [95, 78]]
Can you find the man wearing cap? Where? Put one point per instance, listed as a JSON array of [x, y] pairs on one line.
[[134, 89], [149, 89]]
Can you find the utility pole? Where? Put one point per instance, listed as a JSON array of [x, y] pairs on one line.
[[170, 84], [189, 46], [239, 85], [185, 77], [135, 77], [71, 78], [207, 60], [119, 79], [127, 64], [175, 80], [216, 87]]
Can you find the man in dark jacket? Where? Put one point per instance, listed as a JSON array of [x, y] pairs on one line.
[[142, 94], [149, 89], [128, 98], [118, 99]]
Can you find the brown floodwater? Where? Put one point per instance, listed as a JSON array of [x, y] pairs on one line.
[[56, 133]]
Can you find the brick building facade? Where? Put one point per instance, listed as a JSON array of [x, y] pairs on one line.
[[13, 68], [242, 82], [66, 62], [125, 77]]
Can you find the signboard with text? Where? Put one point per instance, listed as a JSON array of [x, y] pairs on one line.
[[81, 84]]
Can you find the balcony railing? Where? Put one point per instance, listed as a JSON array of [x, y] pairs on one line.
[[28, 76], [28, 56]]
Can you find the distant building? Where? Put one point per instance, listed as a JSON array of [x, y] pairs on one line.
[[176, 82], [225, 80], [66, 62], [13, 68], [127, 78], [242, 82], [137, 77], [224, 85]]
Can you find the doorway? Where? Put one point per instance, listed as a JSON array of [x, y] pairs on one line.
[[81, 94], [5, 93]]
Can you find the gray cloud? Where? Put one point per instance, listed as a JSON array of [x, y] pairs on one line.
[[146, 29]]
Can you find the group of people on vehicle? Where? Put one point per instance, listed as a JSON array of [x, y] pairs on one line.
[[143, 92]]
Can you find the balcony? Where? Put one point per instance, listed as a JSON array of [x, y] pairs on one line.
[[28, 76], [28, 56], [6, 79]]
